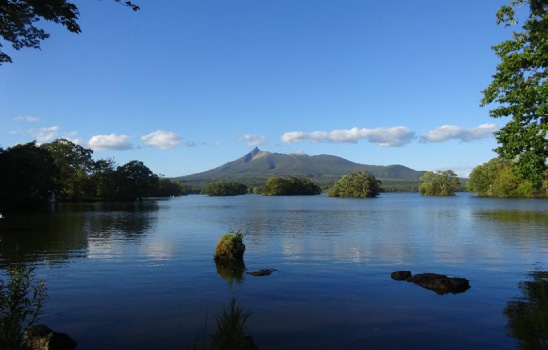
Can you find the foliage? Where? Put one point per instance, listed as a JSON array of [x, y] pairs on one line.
[[27, 176], [528, 315], [224, 188], [360, 184], [18, 19], [497, 178], [230, 247], [230, 331], [31, 175], [289, 186], [21, 300], [439, 183], [520, 90], [135, 181], [168, 188], [75, 163]]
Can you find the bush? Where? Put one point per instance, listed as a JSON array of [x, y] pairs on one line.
[[21, 301], [230, 332]]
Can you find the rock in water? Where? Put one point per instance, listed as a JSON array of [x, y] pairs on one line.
[[40, 337], [400, 275], [440, 284], [263, 272]]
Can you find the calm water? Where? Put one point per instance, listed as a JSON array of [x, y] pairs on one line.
[[142, 275]]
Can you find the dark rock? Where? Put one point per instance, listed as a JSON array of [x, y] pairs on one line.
[[400, 275], [440, 284], [40, 337], [263, 272]]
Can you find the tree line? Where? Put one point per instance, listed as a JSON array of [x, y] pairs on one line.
[[32, 175]]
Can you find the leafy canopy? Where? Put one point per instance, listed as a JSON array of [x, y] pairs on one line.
[[18, 19], [359, 184], [520, 89], [439, 183], [289, 186]]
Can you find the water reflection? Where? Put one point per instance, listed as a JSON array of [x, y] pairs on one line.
[[528, 314], [72, 230], [231, 271]]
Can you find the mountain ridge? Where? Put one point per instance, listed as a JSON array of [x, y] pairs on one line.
[[255, 167]]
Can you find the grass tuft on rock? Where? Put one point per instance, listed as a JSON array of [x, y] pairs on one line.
[[230, 247]]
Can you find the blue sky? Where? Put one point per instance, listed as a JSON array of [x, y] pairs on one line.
[[185, 86]]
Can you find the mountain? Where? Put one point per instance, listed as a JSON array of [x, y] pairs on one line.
[[257, 166]]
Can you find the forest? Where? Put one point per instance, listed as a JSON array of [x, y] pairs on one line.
[[33, 175]]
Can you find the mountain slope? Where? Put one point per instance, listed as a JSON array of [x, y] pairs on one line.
[[257, 166]]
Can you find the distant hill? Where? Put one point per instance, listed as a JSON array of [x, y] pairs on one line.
[[257, 166]]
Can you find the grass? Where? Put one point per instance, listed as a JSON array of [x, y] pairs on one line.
[[230, 331]]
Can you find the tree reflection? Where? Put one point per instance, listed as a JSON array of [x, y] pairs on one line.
[[528, 315]]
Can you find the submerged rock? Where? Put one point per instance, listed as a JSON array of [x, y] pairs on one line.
[[400, 275], [441, 284], [41, 337], [262, 272]]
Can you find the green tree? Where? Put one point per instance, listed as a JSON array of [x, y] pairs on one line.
[[224, 188], [27, 176], [18, 19], [360, 184], [135, 181], [520, 90], [75, 164], [289, 186], [439, 183], [497, 178], [168, 188]]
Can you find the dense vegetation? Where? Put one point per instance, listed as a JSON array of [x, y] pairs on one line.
[[519, 91], [31, 175], [360, 184], [498, 178], [21, 301], [439, 183], [224, 188], [288, 186]]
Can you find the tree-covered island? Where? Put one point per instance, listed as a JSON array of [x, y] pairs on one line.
[[31, 175]]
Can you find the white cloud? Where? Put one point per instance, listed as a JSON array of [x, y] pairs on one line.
[[109, 142], [26, 119], [454, 132], [253, 140], [161, 139], [395, 136], [45, 134]]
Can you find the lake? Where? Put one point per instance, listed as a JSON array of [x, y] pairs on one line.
[[142, 276]]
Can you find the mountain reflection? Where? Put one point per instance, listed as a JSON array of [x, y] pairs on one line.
[[528, 314]]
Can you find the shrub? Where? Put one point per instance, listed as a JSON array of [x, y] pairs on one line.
[[230, 331], [21, 300]]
